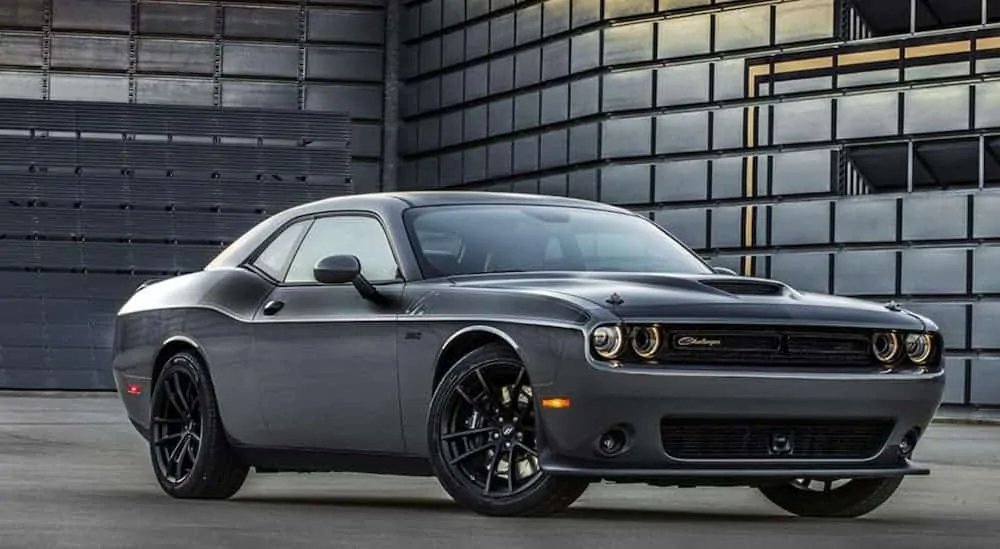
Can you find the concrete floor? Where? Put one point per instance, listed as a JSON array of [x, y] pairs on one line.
[[73, 474]]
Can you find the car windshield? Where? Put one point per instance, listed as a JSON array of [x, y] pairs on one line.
[[474, 239]]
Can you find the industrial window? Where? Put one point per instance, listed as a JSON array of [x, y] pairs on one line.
[[888, 17], [922, 165]]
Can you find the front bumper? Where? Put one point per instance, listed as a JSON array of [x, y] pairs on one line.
[[635, 399]]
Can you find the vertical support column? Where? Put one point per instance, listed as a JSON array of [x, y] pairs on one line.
[[220, 27], [46, 48], [133, 49], [301, 75], [390, 108]]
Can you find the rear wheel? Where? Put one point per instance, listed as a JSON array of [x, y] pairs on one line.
[[482, 438], [191, 457], [830, 499]]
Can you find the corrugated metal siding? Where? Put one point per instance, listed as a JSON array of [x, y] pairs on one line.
[[138, 138]]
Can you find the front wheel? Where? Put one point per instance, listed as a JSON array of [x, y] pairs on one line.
[[825, 499], [191, 457], [482, 439]]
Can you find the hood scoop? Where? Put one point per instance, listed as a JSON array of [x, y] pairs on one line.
[[745, 287]]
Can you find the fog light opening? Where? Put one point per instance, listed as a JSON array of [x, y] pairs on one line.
[[909, 442], [613, 442]]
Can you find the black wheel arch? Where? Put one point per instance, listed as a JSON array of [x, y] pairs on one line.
[[464, 341]]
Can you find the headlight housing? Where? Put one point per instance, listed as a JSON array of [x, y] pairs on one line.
[[886, 346], [896, 349], [608, 342], [919, 348], [646, 341]]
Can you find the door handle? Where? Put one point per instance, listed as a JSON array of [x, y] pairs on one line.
[[273, 307]]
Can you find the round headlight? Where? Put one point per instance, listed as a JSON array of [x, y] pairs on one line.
[[608, 341], [919, 347], [646, 341], [886, 346]]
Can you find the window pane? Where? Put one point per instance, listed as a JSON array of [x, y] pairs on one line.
[[743, 28], [937, 109], [868, 115], [342, 235], [684, 36], [684, 84], [802, 121], [274, 259], [804, 20]]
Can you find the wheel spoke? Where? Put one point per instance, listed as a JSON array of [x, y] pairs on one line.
[[511, 469], [176, 451], [494, 404], [165, 439], [168, 421], [192, 452], [471, 453], [475, 405], [527, 450], [491, 469], [469, 433], [179, 393]]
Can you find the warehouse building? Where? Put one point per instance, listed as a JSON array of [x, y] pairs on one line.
[[847, 146]]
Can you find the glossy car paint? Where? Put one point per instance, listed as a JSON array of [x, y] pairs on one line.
[[332, 374]]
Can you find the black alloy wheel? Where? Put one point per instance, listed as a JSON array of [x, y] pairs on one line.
[[188, 447], [828, 498], [177, 426], [483, 429]]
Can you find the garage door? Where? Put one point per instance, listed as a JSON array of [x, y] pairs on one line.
[[97, 197]]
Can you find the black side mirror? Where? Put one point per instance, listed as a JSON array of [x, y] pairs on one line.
[[725, 271], [337, 269], [340, 269]]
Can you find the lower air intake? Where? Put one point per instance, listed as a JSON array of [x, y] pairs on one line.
[[764, 439]]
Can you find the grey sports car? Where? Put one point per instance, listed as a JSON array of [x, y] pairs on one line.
[[518, 348]]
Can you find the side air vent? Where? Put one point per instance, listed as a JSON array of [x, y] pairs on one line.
[[740, 287]]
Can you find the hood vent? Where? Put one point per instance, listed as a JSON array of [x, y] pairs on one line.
[[745, 287]]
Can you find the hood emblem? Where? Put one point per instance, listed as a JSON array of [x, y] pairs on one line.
[[893, 306], [691, 341], [615, 300]]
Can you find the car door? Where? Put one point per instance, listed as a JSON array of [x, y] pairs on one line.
[[325, 356]]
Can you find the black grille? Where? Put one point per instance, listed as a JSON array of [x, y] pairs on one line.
[[743, 439], [777, 346]]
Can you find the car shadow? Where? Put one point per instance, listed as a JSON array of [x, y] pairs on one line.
[[588, 513]]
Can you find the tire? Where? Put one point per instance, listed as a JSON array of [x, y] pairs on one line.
[[856, 498], [206, 468], [473, 481]]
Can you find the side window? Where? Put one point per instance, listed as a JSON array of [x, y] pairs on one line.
[[345, 235], [274, 259]]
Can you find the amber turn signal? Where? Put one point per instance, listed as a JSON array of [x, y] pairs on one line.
[[555, 403]]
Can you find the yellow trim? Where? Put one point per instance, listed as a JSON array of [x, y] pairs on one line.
[[865, 57], [934, 50], [990, 43], [803, 65]]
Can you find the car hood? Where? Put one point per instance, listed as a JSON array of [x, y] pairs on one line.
[[702, 298]]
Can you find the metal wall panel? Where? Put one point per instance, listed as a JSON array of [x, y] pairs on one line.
[[96, 198]]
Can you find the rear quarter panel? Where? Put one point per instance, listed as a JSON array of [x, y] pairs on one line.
[[210, 310]]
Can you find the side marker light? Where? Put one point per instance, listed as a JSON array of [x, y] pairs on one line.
[[555, 403], [134, 389]]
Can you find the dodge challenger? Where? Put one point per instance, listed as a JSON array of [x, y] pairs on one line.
[[518, 348]]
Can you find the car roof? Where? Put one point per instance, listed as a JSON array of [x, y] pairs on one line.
[[384, 202], [449, 198]]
